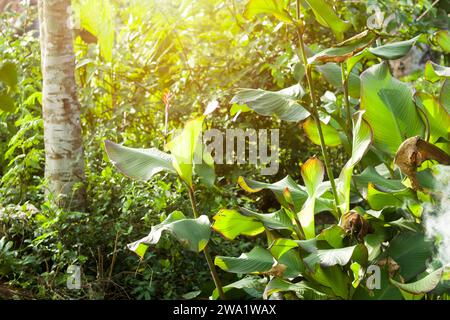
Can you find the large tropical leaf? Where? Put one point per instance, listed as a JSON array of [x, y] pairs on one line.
[[253, 286], [302, 290], [434, 72], [362, 139], [390, 109], [332, 72], [394, 50], [341, 256], [312, 172], [442, 37], [277, 220], [138, 164], [379, 199], [444, 97], [184, 148], [438, 118], [424, 285], [258, 260], [192, 233], [410, 250], [326, 16], [330, 134], [280, 103], [231, 224]]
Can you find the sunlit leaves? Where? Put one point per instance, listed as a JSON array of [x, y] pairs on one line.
[[268, 7], [192, 233], [434, 72], [183, 148], [442, 38], [340, 256], [326, 16], [389, 106], [362, 139], [282, 104], [330, 134], [231, 224], [303, 289], [138, 164], [312, 172], [98, 18]]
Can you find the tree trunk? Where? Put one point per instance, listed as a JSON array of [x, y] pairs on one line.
[[64, 160]]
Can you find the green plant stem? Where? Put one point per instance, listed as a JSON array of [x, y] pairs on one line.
[[348, 116], [209, 260], [315, 113]]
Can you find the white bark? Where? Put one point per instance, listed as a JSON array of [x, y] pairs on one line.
[[64, 161]]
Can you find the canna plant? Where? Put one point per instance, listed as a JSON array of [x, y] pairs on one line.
[[399, 136], [186, 158]]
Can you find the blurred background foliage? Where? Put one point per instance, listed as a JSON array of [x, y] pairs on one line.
[[129, 54]]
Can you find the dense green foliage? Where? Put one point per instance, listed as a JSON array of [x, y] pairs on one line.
[[200, 53]]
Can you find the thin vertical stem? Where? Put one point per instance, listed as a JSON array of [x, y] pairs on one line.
[[315, 113], [348, 115], [208, 258]]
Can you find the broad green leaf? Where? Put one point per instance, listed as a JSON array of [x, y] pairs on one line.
[[184, 147], [438, 117], [344, 50], [205, 168], [284, 250], [192, 233], [98, 17], [394, 50], [390, 109], [238, 108], [423, 285], [312, 172], [362, 139], [269, 7], [442, 37], [251, 285], [298, 193], [332, 72], [330, 134], [282, 103], [7, 104], [138, 164], [281, 246], [326, 16], [302, 290], [231, 224], [411, 251], [334, 235], [434, 72], [258, 260], [370, 175], [277, 220], [379, 200], [8, 74], [341, 256], [334, 278], [444, 97]]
